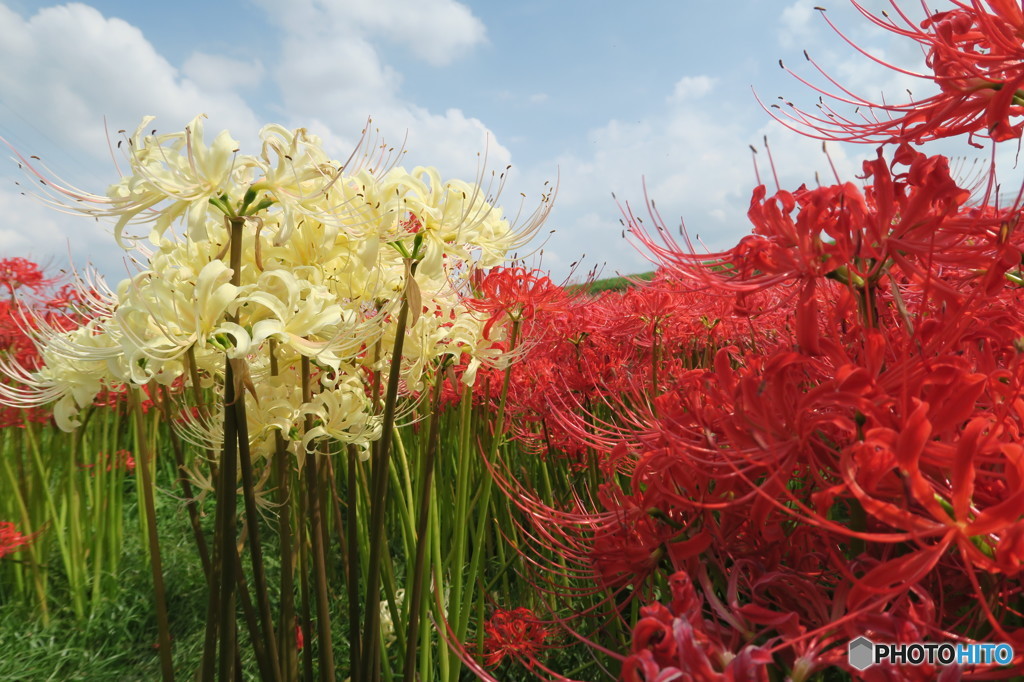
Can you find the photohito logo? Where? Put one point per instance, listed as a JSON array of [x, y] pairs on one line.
[[863, 653]]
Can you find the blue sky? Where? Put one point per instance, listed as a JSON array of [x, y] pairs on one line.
[[602, 96]]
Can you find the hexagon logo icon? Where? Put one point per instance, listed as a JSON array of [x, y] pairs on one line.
[[861, 653]]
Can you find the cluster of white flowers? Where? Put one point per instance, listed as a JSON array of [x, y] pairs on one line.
[[328, 252]]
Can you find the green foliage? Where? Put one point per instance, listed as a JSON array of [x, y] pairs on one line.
[[611, 283]]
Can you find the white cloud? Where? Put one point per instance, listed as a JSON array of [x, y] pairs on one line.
[[438, 32], [74, 70], [696, 167], [76, 67], [212, 72], [35, 231], [333, 71], [798, 23], [684, 153], [692, 87]]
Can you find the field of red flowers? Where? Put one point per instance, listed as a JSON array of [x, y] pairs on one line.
[[730, 471]]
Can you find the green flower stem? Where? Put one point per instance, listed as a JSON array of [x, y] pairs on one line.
[[164, 406], [352, 519], [323, 607], [378, 497], [36, 569], [437, 587], [456, 560], [56, 519], [146, 461], [227, 512], [255, 545], [425, 479], [73, 516], [387, 567], [483, 509], [288, 665], [227, 532], [305, 609]]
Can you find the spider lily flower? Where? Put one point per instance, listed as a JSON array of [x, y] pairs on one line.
[[675, 650], [16, 273], [975, 53], [311, 265], [296, 176], [343, 411], [306, 317], [912, 217], [516, 634], [72, 379], [181, 173], [515, 294], [11, 540]]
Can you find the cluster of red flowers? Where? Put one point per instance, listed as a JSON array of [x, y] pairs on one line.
[[975, 55], [675, 643], [31, 300], [121, 460], [25, 297], [515, 634], [10, 539], [821, 426]]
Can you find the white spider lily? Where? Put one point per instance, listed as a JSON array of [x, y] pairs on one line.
[[72, 379], [181, 172], [161, 317], [343, 411], [326, 256]]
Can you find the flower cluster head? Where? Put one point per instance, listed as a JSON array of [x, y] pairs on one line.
[[516, 634], [326, 254], [670, 643], [16, 273], [975, 55], [10, 539]]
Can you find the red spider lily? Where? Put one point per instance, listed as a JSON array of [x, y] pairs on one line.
[[1010, 550], [516, 634], [911, 219], [975, 53], [122, 460], [515, 294], [30, 306], [16, 273], [668, 647], [10, 539], [810, 486]]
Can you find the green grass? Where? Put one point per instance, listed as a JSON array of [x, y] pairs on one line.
[[117, 643], [610, 283]]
